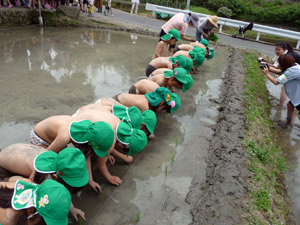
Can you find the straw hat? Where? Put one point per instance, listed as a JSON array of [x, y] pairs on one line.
[[213, 20]]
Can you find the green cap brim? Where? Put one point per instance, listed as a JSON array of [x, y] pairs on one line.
[[149, 119], [45, 162], [189, 83], [166, 37], [138, 142]]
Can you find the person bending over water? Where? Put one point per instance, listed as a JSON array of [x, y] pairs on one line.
[[59, 131], [36, 163], [161, 100], [165, 62], [126, 139], [169, 79], [47, 203]]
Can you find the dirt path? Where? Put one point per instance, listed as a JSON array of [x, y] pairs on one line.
[[220, 198]]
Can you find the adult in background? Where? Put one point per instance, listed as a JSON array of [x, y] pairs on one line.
[[205, 26], [135, 3], [99, 5], [180, 22]]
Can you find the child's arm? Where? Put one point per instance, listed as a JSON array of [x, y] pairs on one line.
[[122, 156], [158, 50], [92, 183], [101, 162], [59, 143]]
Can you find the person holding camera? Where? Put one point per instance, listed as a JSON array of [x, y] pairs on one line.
[[280, 49], [290, 78]]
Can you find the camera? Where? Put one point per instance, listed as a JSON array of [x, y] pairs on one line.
[[264, 66], [260, 59]]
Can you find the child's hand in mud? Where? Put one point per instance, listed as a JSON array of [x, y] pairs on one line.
[[115, 180], [128, 159], [111, 160], [151, 136], [95, 186], [76, 213]]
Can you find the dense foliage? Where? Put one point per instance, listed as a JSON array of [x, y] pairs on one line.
[[271, 12]]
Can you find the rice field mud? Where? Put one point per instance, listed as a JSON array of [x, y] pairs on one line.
[[192, 172]]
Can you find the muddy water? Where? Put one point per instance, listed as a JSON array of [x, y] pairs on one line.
[[290, 140], [52, 71], [48, 72]]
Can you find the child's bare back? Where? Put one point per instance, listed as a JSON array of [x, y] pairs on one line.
[[161, 50], [161, 62], [18, 158], [145, 86]]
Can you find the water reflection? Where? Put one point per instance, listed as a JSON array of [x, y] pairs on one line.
[[51, 71], [289, 140]]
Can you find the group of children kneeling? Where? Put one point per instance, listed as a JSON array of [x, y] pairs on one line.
[[119, 126]]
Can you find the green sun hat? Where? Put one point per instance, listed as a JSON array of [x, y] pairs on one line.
[[149, 119], [189, 83], [100, 135], [178, 73], [211, 53], [157, 96], [51, 200], [69, 164], [132, 114], [204, 42], [196, 49], [173, 100], [135, 139], [172, 33], [181, 60], [198, 56], [189, 65]]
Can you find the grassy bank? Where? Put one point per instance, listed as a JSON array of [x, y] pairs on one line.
[[267, 194]]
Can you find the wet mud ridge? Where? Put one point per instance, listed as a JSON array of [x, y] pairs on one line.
[[220, 199]]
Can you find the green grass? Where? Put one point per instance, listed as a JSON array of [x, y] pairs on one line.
[[265, 160], [199, 9], [263, 37], [137, 219], [166, 170]]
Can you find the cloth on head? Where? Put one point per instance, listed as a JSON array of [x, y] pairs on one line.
[[51, 200], [149, 119], [211, 53], [132, 114], [204, 42], [69, 164], [100, 135], [180, 59], [189, 65], [135, 139], [199, 56], [195, 19], [178, 73], [188, 84], [172, 33]]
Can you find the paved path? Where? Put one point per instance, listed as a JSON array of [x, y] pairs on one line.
[[132, 20]]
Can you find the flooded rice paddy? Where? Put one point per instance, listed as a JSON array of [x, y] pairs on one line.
[[47, 72]]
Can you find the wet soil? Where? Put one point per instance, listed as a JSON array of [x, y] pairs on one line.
[[220, 199]]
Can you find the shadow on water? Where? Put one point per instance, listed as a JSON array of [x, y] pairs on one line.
[[289, 139], [54, 71]]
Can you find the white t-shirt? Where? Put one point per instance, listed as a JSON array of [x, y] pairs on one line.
[[135, 1]]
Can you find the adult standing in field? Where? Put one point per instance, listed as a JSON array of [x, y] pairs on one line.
[[180, 22], [205, 26], [135, 3], [99, 5]]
